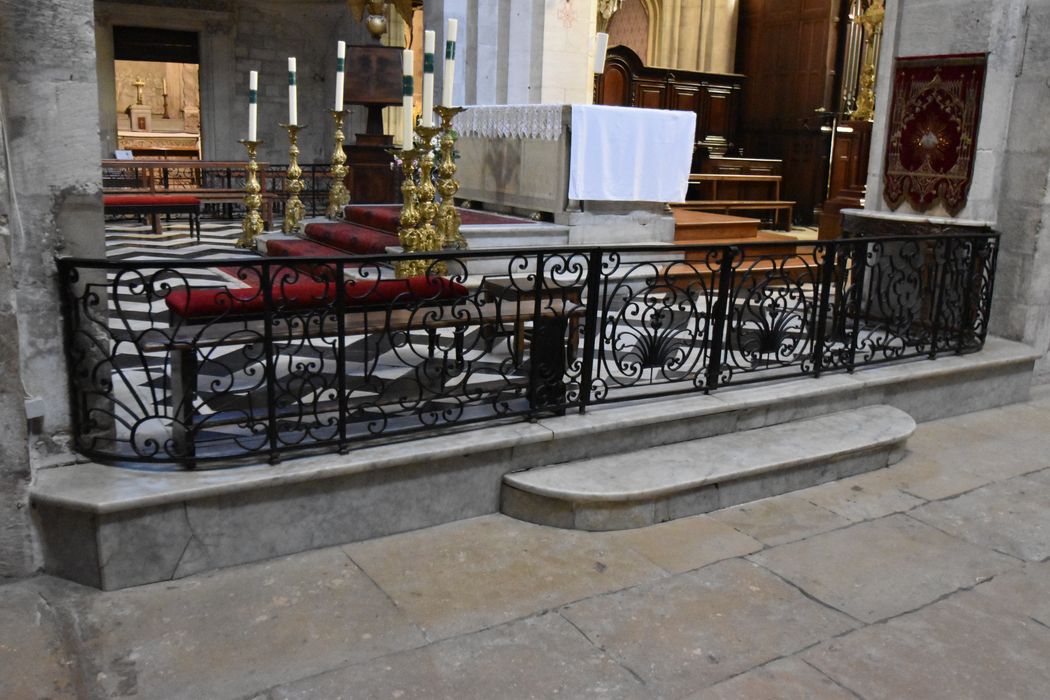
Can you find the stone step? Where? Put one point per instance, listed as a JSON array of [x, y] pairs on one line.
[[697, 226], [636, 489]]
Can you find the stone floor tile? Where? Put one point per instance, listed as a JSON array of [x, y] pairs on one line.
[[693, 630], [1024, 592], [1011, 516], [473, 574], [543, 657], [863, 497], [34, 660], [960, 647], [786, 679], [780, 519], [926, 477], [234, 631], [884, 567], [1042, 477], [687, 543]]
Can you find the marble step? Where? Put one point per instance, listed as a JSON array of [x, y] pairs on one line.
[[635, 489]]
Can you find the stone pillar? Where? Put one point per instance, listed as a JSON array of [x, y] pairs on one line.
[[436, 14]]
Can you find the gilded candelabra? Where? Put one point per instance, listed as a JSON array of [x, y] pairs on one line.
[[252, 225], [425, 193], [294, 211], [408, 224], [448, 219], [871, 20], [338, 196]]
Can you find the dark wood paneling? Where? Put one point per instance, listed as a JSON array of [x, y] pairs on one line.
[[787, 50], [714, 97]]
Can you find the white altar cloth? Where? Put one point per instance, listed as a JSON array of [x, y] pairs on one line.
[[630, 154]]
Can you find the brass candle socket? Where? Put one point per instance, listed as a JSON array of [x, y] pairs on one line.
[[294, 210], [338, 195], [448, 219], [252, 225]]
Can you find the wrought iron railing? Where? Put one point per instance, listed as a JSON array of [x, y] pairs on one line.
[[211, 360]]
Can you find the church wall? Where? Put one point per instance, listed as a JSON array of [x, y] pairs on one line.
[[238, 37], [1012, 165], [49, 202]]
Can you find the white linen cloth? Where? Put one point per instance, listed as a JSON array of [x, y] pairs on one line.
[[511, 121], [630, 154]]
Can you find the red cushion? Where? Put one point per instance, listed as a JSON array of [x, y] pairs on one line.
[[305, 293], [385, 218], [133, 200], [302, 248], [352, 238]]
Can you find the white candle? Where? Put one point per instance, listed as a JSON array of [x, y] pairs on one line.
[[428, 78], [164, 89], [293, 106], [449, 69], [253, 106], [340, 66], [601, 45], [407, 90]]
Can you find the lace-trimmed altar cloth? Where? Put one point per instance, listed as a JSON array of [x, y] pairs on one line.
[[511, 121]]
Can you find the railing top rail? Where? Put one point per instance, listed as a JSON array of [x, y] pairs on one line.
[[504, 252]]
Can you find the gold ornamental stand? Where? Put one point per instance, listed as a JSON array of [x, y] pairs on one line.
[[425, 193], [294, 210], [448, 219], [408, 223], [252, 225], [338, 196]]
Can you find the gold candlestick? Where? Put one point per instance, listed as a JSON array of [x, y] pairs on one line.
[[448, 219], [408, 230], [425, 193], [338, 196], [294, 211], [252, 225]]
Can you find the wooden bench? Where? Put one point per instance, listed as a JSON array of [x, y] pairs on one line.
[[729, 205], [155, 205], [548, 358]]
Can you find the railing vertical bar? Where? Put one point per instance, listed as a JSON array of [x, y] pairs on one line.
[[967, 310], [66, 301], [591, 320], [340, 352], [725, 281], [987, 311], [827, 270], [941, 276], [271, 374], [535, 378], [860, 261]]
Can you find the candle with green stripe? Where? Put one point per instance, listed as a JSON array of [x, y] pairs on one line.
[[407, 90], [427, 117], [448, 73], [253, 105], [293, 101], [340, 66]]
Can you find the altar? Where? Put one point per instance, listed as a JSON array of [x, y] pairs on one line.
[[584, 166]]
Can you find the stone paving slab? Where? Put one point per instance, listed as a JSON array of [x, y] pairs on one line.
[[884, 567], [1024, 592], [474, 574], [35, 662], [786, 679], [699, 628], [542, 657], [226, 634], [961, 647], [862, 497], [687, 543], [1011, 516], [780, 519], [921, 475]]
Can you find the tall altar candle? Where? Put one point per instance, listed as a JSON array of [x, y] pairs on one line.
[[253, 105], [164, 88], [340, 66], [428, 78], [293, 106], [407, 90], [448, 75], [601, 45]]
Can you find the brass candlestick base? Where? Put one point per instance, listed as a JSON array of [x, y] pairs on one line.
[[252, 225], [448, 219], [425, 193], [338, 196], [294, 210]]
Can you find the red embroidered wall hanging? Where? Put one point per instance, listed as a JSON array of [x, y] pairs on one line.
[[933, 124]]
